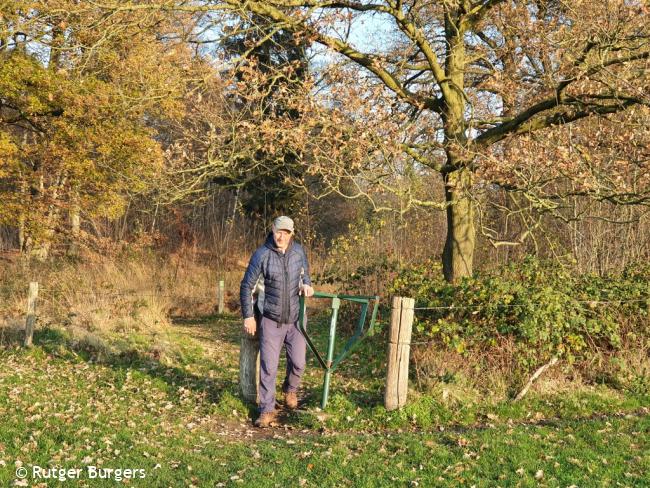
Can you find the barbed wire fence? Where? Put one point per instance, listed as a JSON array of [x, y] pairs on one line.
[[400, 332]]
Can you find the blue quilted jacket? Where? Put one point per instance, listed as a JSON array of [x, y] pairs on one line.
[[282, 277]]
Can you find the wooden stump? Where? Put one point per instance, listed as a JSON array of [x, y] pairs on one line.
[[249, 367], [399, 348]]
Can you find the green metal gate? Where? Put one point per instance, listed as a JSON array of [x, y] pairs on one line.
[[330, 363]]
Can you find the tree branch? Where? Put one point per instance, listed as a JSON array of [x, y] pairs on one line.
[[525, 121]]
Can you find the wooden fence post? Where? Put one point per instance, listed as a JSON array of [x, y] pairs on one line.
[[399, 348], [31, 313], [249, 367], [220, 297]]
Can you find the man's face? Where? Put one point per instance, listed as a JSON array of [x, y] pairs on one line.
[[282, 238]]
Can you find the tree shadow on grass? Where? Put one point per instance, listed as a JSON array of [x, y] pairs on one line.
[[213, 327], [363, 366], [359, 368], [56, 343]]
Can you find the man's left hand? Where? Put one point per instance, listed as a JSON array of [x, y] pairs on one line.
[[306, 290]]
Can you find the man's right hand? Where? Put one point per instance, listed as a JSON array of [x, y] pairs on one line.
[[250, 326]]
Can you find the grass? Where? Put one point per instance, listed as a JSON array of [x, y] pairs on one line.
[[573, 453], [177, 416]]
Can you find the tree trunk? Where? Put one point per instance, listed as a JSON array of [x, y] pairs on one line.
[[458, 254]]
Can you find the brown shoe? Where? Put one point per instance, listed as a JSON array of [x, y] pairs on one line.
[[266, 419], [291, 400]]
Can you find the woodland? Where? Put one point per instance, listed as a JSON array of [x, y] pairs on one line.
[[489, 159]]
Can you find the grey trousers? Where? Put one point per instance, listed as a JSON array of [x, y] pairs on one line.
[[272, 338]]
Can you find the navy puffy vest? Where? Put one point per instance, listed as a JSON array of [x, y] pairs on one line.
[[282, 278]]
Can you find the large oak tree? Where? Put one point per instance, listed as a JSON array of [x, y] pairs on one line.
[[479, 73]]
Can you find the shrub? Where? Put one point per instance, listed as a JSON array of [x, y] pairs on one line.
[[541, 306]]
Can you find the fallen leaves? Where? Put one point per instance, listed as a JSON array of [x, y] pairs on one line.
[[151, 413]]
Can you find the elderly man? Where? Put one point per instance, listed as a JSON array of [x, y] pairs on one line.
[[283, 265]]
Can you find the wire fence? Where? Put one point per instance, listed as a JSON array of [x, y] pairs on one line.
[[520, 305], [136, 295], [51, 292], [525, 305], [45, 294], [61, 298]]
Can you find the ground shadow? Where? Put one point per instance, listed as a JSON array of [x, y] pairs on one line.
[[56, 343], [220, 326], [364, 366], [358, 368]]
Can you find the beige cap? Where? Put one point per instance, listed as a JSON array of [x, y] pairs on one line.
[[283, 223]]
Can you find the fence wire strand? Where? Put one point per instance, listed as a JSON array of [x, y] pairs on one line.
[[47, 294], [514, 305]]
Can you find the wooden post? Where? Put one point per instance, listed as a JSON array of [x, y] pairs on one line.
[[399, 348], [31, 313], [390, 395], [249, 367], [220, 297]]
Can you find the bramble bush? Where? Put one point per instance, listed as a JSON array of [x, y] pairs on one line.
[[544, 308]]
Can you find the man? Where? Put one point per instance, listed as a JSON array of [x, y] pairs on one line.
[[283, 265]]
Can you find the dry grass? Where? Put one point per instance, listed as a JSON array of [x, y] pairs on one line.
[[102, 297], [492, 372], [495, 374], [629, 370]]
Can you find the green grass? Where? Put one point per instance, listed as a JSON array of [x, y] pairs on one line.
[[560, 455], [180, 419]]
